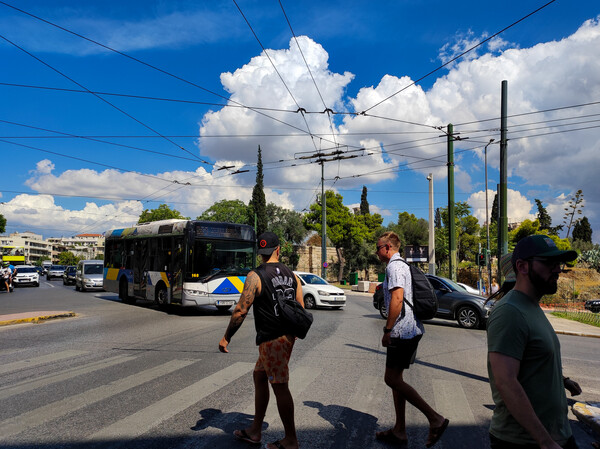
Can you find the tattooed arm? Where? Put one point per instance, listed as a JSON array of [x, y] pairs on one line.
[[252, 289]]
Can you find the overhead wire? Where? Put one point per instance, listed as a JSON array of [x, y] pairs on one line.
[[139, 61], [327, 109], [300, 109], [459, 56], [101, 98]]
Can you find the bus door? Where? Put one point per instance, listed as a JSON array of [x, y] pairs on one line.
[[177, 269], [140, 267]]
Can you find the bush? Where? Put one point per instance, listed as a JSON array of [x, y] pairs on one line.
[[592, 258]]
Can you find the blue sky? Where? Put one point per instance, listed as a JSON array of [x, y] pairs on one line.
[[156, 129]]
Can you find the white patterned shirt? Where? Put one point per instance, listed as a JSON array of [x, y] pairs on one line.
[[397, 274]]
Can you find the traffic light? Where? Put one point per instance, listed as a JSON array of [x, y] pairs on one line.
[[481, 259]]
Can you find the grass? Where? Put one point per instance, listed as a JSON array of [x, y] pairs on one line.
[[580, 316]]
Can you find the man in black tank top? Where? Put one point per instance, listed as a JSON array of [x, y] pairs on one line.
[[262, 286]]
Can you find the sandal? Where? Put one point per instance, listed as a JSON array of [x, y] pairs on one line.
[[435, 433]]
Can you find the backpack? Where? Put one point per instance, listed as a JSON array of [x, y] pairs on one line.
[[424, 297]]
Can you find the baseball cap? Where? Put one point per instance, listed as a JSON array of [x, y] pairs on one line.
[[541, 246], [506, 268], [267, 243]]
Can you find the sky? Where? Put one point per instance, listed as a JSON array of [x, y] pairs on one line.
[[109, 107]]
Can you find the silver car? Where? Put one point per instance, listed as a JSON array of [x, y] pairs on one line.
[[89, 275]]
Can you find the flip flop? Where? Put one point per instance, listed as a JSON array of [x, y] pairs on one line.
[[436, 433], [389, 437], [243, 436]]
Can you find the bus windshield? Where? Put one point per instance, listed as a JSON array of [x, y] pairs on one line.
[[216, 258]]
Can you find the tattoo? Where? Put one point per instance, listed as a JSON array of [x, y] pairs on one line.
[[251, 288]]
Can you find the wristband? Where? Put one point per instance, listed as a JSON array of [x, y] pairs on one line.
[[386, 330]]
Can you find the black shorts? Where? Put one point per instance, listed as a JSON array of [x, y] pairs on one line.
[[401, 354]]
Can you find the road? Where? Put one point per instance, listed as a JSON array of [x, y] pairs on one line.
[[135, 376]]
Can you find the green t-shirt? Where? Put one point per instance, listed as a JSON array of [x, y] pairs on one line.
[[518, 328]]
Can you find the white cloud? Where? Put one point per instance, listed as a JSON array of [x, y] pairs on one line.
[[44, 167], [518, 206], [166, 30]]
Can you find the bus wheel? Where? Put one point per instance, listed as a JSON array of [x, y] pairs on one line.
[[123, 292], [161, 296]]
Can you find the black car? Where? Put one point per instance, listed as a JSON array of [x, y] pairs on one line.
[[593, 305], [69, 275], [454, 303]]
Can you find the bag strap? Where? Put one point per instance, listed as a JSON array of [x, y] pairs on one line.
[[404, 299]]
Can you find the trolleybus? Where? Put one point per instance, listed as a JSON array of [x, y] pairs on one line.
[[186, 262]]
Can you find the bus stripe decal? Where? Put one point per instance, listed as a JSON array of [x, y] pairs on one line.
[[237, 282]]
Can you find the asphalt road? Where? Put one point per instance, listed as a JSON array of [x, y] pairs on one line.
[[135, 376]]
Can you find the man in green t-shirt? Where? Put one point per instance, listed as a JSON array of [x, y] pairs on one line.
[[524, 362]]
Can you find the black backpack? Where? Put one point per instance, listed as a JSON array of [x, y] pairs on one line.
[[424, 297]]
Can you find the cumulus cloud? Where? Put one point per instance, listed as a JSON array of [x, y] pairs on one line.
[[518, 206], [543, 156]]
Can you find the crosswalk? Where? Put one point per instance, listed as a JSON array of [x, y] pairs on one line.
[[366, 397]]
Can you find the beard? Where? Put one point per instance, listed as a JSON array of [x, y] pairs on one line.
[[543, 286]]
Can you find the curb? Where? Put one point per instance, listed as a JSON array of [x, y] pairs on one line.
[[576, 334], [588, 413], [37, 319]]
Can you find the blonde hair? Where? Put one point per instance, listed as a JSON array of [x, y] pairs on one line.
[[391, 238]]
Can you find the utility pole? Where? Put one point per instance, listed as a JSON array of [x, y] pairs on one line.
[[502, 216], [321, 158], [431, 227], [451, 213], [487, 225], [323, 224]]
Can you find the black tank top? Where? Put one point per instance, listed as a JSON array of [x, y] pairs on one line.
[[276, 279]]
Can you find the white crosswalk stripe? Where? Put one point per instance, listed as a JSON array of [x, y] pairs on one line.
[[144, 420], [41, 360], [450, 398], [43, 381], [57, 409]]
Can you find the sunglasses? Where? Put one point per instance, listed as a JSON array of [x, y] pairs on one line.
[[379, 247]]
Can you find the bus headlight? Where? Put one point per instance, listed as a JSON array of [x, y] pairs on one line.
[[195, 292]]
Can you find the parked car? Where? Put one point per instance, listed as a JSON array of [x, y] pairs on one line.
[[318, 292], [593, 305], [89, 275], [26, 275], [69, 275], [454, 303], [55, 271]]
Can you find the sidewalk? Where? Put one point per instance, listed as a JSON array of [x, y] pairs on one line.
[[570, 327], [32, 317]]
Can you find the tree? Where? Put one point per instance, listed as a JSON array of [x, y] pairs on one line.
[[574, 207], [364, 204], [412, 230], [258, 204], [162, 212], [289, 227], [344, 229], [437, 221], [542, 216], [582, 230], [495, 213], [231, 211], [2, 224], [467, 231], [67, 258]]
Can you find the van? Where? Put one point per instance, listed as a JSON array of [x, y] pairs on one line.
[[89, 275]]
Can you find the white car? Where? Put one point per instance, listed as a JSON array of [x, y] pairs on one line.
[[319, 293], [469, 288], [26, 275]]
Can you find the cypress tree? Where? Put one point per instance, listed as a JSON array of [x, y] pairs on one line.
[[582, 230], [258, 203], [364, 204]]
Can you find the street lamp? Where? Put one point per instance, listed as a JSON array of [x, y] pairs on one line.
[[487, 222]]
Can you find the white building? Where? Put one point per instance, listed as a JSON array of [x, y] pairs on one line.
[[35, 247], [87, 246]]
